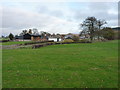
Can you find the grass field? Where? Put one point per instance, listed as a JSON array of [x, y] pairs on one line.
[[93, 65], [4, 38]]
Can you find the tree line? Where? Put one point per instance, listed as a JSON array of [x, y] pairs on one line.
[[91, 26], [33, 31]]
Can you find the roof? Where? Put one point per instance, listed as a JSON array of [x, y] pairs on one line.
[[18, 37], [36, 35]]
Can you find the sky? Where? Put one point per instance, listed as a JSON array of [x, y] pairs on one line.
[[54, 17]]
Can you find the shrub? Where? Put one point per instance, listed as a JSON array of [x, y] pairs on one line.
[[37, 46], [68, 40], [11, 36], [75, 38], [84, 41], [116, 34], [4, 40], [108, 33]]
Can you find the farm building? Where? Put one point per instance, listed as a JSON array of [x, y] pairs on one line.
[[29, 37], [55, 39]]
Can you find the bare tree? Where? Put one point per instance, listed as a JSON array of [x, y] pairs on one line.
[[100, 23], [89, 25], [30, 31], [35, 31], [24, 31]]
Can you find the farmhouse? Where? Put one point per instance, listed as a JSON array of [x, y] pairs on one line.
[[32, 37], [40, 37], [55, 38], [29, 37], [68, 36]]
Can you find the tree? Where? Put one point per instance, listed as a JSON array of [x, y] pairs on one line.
[[75, 38], [48, 34], [30, 31], [84, 33], [89, 25], [11, 36], [100, 23], [35, 31], [58, 35], [117, 34], [53, 34], [24, 31], [108, 33], [43, 34], [3, 36]]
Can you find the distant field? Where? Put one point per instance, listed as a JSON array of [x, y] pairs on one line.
[[14, 42], [93, 65], [4, 38]]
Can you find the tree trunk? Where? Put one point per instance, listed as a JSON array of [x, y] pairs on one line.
[[91, 39], [99, 34]]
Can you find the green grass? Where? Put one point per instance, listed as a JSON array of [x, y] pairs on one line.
[[14, 42], [0, 69], [4, 38], [62, 66]]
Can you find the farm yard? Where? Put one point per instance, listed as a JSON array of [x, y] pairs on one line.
[[80, 65]]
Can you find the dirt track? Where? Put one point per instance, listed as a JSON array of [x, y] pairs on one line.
[[9, 46]]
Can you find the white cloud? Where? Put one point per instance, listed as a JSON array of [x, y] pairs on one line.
[[15, 20], [101, 10], [61, 0], [55, 17]]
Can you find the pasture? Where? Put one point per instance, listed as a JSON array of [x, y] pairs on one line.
[[91, 65]]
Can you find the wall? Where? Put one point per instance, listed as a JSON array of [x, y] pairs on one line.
[[55, 39]]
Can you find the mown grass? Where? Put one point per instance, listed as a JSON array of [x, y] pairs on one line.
[[93, 65], [0, 69], [4, 38], [15, 42]]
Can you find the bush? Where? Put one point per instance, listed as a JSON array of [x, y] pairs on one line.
[[84, 41], [108, 33], [4, 40], [37, 46], [68, 40], [116, 34], [75, 38], [11, 36]]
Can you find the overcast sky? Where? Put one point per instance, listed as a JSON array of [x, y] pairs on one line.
[[54, 17]]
